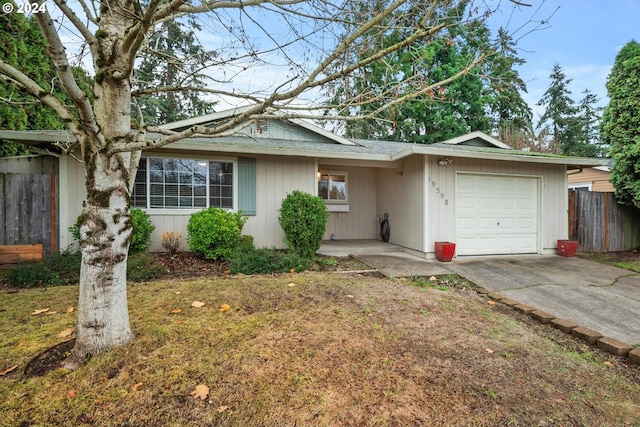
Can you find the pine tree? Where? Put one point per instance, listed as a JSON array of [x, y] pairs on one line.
[[558, 120], [620, 126], [512, 114], [173, 58]]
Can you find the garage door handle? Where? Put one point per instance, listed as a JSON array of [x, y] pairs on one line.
[[498, 223]]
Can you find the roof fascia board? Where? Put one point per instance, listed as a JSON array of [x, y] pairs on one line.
[[322, 132], [216, 148], [574, 161], [206, 118], [477, 134], [37, 136]]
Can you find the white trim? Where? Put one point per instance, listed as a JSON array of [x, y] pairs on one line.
[[576, 185], [539, 202], [189, 211], [346, 187], [480, 135]]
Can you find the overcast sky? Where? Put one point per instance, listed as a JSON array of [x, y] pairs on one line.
[[583, 36]]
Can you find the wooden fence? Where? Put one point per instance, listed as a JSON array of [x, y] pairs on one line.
[[29, 210], [600, 224]]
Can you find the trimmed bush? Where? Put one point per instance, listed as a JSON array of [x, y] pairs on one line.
[[142, 229], [214, 233], [303, 217]]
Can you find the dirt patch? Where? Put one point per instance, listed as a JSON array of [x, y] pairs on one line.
[[49, 360]]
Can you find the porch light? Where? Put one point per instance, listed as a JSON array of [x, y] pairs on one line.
[[445, 161]]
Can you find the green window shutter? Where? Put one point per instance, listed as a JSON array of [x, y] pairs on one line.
[[247, 185]]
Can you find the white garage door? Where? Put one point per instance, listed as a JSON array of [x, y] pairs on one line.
[[496, 215]]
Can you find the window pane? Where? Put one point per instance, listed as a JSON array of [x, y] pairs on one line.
[[323, 187], [182, 183], [337, 187], [139, 196]]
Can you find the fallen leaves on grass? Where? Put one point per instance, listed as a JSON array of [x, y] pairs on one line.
[[175, 311], [197, 304], [491, 302], [40, 311], [201, 392], [221, 409], [8, 370], [71, 394], [69, 310], [609, 364], [224, 308], [291, 285], [137, 386], [67, 332]]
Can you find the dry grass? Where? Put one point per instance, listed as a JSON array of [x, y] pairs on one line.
[[316, 349]]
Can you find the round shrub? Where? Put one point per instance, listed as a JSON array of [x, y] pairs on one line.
[[142, 229], [214, 233], [303, 217]]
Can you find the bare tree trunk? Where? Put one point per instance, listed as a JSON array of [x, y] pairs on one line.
[[105, 227]]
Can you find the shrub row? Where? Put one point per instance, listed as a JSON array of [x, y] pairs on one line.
[[213, 233]]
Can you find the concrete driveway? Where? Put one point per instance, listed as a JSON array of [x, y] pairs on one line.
[[597, 296]]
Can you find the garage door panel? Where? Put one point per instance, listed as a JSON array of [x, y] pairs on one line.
[[496, 214]]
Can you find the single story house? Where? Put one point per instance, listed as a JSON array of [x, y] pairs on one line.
[[472, 190], [592, 179]]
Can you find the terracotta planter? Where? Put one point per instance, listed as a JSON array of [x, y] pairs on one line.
[[445, 251], [567, 247]]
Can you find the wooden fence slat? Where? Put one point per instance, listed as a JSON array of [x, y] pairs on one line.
[[28, 214], [600, 224]]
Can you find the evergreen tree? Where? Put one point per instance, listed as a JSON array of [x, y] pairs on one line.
[[559, 118], [588, 144], [22, 45], [173, 59], [512, 115], [437, 112], [620, 127]]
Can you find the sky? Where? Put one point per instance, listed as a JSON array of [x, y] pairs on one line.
[[582, 36]]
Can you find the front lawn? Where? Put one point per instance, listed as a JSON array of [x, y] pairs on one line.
[[310, 349]]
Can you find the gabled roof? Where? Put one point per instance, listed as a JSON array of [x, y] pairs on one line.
[[475, 145], [213, 118], [477, 139]]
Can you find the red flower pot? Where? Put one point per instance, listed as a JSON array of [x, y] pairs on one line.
[[445, 251], [567, 247]]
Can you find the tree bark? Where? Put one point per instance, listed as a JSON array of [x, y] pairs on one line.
[[105, 223]]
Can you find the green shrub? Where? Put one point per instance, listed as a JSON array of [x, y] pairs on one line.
[[245, 244], [266, 261], [303, 217], [142, 229], [32, 275], [214, 233], [67, 265], [140, 268]]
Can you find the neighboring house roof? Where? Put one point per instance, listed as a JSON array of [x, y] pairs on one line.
[[326, 144]]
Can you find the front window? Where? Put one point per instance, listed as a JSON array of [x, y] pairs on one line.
[[332, 186], [163, 183]]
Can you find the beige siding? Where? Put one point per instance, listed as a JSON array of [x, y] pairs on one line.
[[360, 222], [72, 194], [598, 179], [276, 177], [552, 203], [401, 195]]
